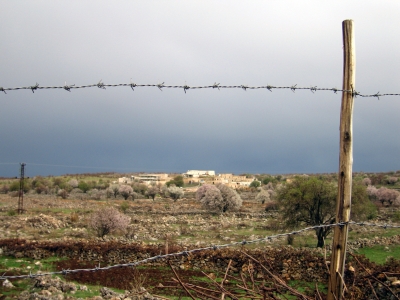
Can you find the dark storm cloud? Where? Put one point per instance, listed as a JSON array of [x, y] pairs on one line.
[[280, 43]]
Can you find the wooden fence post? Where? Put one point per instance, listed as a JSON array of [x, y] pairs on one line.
[[343, 204]]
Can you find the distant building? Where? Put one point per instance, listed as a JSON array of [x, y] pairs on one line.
[[125, 180], [152, 178], [233, 181], [197, 173]]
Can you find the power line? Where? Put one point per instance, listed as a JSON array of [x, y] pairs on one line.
[[188, 252], [186, 87]]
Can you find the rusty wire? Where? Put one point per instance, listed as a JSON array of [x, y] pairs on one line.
[[187, 252], [186, 87]]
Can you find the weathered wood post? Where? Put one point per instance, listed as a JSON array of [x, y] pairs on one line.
[[343, 205]]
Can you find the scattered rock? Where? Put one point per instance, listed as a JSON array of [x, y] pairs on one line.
[[7, 284]]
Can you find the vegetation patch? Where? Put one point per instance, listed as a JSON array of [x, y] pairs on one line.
[[381, 254]]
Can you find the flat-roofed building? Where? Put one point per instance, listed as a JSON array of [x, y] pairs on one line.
[[198, 173], [152, 178]]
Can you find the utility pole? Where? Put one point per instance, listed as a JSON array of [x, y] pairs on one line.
[[21, 190], [343, 202]]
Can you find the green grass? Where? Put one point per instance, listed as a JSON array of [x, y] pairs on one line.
[[380, 253], [20, 266]]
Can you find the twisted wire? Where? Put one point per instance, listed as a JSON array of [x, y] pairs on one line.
[[188, 252], [185, 88]]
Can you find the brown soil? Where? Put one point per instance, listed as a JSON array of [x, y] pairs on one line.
[[155, 279]]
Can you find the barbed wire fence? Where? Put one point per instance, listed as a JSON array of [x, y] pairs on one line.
[[186, 87], [189, 252]]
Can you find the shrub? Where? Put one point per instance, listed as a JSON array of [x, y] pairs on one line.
[[125, 191], [62, 193], [95, 194], [175, 192], [73, 183], [177, 181], [113, 190], [124, 206], [108, 220], [140, 188], [366, 181], [14, 186], [153, 191], [41, 189], [4, 189], [392, 180], [74, 217], [263, 196], [218, 198], [84, 186], [136, 196], [255, 184], [11, 212], [271, 206]]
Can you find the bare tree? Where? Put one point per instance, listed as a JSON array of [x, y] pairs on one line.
[[108, 220]]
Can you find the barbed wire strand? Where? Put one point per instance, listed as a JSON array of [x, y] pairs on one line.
[[185, 88], [188, 252]]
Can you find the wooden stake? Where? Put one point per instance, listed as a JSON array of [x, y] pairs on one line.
[[343, 204]]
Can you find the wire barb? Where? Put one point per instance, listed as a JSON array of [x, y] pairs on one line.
[[68, 87], [313, 89], [185, 87], [132, 85], [293, 88], [245, 87], [160, 86], [215, 85], [270, 87], [2, 90], [100, 85], [34, 87], [376, 95]]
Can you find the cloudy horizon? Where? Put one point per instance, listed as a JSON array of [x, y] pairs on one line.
[[194, 43]]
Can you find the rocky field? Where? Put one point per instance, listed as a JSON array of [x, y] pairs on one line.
[[55, 227]]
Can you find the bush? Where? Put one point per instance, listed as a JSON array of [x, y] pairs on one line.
[[218, 198], [41, 189], [175, 192], [108, 220], [84, 186], [271, 206], [263, 196], [11, 212], [62, 193], [4, 189], [255, 184], [73, 183], [177, 181], [125, 191]]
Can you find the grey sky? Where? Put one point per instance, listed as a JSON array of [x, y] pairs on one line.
[[197, 43]]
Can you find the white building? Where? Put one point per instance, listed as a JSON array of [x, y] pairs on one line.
[[197, 173], [152, 178]]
